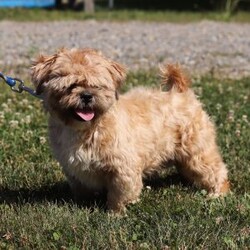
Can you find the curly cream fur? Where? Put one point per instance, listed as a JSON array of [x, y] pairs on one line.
[[130, 137]]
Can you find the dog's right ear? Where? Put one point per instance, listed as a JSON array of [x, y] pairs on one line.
[[118, 73], [41, 71]]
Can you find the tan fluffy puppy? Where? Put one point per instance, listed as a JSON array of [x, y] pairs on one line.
[[106, 142]]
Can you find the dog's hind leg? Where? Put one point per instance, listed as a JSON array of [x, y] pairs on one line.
[[200, 160], [206, 170]]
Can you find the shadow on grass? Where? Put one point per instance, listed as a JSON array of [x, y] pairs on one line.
[[156, 182], [60, 193], [57, 192]]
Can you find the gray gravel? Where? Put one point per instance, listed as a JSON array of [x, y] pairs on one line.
[[205, 47]]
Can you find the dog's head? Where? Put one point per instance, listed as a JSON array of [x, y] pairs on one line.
[[78, 85]]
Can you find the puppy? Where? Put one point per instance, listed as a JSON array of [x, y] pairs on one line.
[[109, 142]]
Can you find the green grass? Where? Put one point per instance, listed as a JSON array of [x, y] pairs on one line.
[[36, 207], [17, 14]]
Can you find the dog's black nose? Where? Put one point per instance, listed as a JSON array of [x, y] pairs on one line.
[[86, 97]]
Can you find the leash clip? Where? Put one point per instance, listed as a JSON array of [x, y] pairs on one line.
[[19, 88], [12, 82]]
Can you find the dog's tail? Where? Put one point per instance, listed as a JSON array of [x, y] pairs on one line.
[[174, 78]]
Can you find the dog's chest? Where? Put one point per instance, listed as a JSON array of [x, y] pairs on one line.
[[75, 154], [83, 158]]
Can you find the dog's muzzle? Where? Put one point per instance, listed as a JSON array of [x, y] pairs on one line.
[[86, 98]]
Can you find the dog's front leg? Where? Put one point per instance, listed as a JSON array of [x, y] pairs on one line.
[[123, 188]]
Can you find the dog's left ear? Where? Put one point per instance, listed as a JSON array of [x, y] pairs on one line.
[[118, 73], [41, 71]]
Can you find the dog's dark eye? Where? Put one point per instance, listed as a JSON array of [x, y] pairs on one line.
[[98, 87], [72, 86]]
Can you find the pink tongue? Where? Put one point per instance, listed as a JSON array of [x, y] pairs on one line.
[[85, 115]]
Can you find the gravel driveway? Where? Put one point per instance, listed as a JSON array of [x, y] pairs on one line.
[[204, 47]]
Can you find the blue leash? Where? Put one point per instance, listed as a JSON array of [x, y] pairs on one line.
[[17, 85]]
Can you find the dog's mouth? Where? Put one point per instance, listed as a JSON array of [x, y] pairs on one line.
[[86, 114]]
